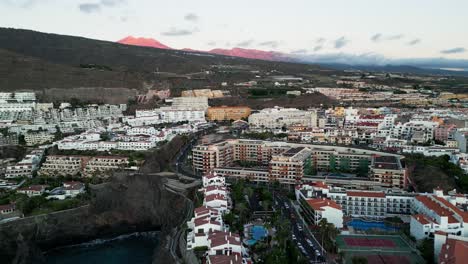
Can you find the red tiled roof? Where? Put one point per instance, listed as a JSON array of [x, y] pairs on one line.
[[442, 210], [366, 194], [318, 204], [320, 184], [205, 220], [225, 259], [7, 207], [212, 188], [424, 220], [205, 210], [213, 197], [36, 188], [456, 210], [219, 238], [454, 252]]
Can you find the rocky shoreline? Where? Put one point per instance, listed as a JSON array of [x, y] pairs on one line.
[[129, 203]]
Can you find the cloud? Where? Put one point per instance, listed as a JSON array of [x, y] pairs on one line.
[[174, 32], [395, 37], [345, 58], [341, 42], [381, 37], [377, 37], [19, 3], [245, 43], [271, 43], [414, 42], [318, 47], [96, 7], [192, 17], [89, 8], [111, 2], [211, 43], [380, 60], [453, 51], [320, 40], [299, 51]]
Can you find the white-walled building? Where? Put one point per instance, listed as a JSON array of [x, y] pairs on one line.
[[436, 213], [316, 209], [277, 118], [33, 190], [213, 180]]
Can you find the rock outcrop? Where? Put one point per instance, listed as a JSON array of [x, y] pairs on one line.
[[128, 203]]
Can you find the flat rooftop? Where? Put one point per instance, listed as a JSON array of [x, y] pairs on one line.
[[386, 162], [291, 152]]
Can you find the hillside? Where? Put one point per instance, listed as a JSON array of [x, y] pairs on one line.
[[37, 56], [62, 67]]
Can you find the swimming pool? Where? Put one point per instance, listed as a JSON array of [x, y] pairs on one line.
[[366, 225], [256, 233]]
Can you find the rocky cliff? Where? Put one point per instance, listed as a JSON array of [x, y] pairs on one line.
[[128, 203]]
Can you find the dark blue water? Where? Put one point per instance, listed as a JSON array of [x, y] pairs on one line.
[[136, 248], [366, 225]]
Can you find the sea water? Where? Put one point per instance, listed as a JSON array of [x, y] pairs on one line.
[[135, 248]]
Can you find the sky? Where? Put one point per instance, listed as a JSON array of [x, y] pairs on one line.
[[396, 29]]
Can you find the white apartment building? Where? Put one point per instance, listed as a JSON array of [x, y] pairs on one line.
[[213, 180], [436, 213], [102, 165], [217, 201], [278, 118], [206, 220], [56, 165], [316, 209], [68, 190], [224, 243], [200, 103], [142, 130], [166, 115], [38, 138], [360, 204], [33, 190], [26, 166]]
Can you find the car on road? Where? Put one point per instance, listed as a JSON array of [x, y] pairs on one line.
[[294, 237]]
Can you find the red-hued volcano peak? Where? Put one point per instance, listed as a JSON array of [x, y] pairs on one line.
[[144, 42]]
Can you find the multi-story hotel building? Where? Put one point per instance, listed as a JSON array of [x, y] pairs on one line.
[[58, 165], [427, 213], [61, 165], [104, 164], [289, 166], [222, 113], [277, 118], [363, 204], [388, 171], [278, 159], [436, 212]]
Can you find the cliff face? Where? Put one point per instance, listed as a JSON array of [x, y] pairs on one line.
[[128, 203]]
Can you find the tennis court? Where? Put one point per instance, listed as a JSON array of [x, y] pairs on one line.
[[378, 249]]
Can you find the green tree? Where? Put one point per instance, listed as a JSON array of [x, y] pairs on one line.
[[359, 260], [427, 250], [21, 140]]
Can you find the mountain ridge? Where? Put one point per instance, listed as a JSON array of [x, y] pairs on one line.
[[233, 52]]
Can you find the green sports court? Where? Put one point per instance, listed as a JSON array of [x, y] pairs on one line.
[[378, 249]]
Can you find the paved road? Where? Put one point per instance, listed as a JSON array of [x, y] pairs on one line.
[[305, 241]]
